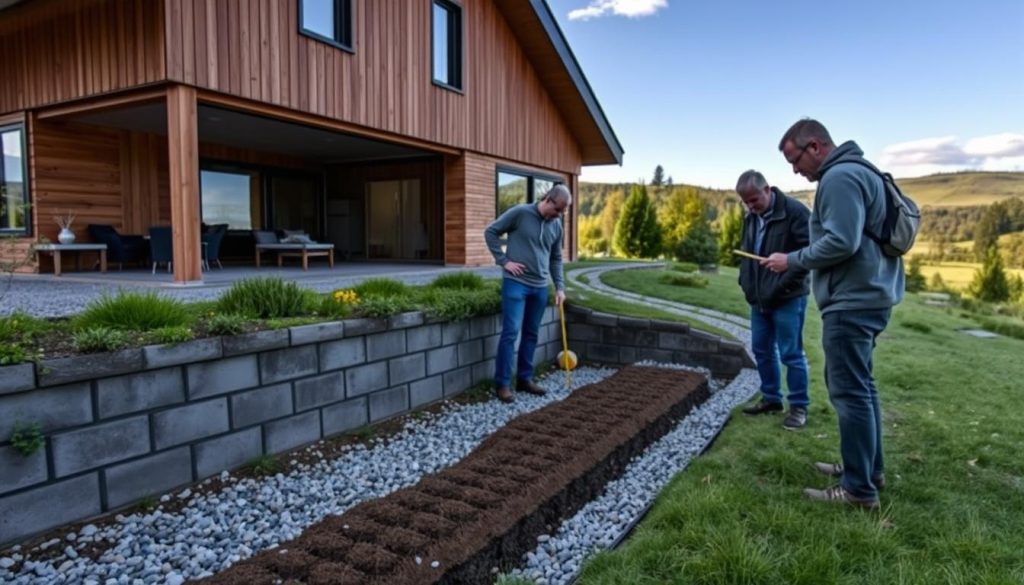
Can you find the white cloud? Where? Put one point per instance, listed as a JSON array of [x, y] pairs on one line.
[[628, 8], [999, 152]]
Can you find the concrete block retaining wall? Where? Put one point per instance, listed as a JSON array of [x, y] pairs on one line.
[[139, 422]]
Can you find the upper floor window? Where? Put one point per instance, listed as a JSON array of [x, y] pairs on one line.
[[14, 201], [327, 20], [447, 49]]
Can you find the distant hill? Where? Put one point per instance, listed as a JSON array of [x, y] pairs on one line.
[[963, 189]]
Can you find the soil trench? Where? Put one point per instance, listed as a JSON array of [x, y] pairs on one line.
[[486, 511]]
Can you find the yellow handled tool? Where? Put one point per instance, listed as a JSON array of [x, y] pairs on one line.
[[748, 255], [567, 360]]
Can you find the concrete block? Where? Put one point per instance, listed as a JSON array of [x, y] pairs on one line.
[[634, 323], [255, 342], [17, 378], [602, 319], [365, 379], [186, 424], [227, 452], [141, 391], [627, 355], [286, 434], [287, 364], [426, 391], [442, 359], [20, 471], [129, 482], [471, 352], [385, 345], [457, 381], [421, 338], [584, 332], [33, 511], [482, 372], [53, 409], [99, 445], [602, 353], [694, 341], [670, 326], [407, 368], [317, 332], [637, 337], [354, 327], [482, 326], [87, 367], [263, 404], [388, 403], [491, 346], [454, 332], [318, 391], [335, 355], [222, 376], [345, 416], [405, 320], [657, 355], [173, 354]]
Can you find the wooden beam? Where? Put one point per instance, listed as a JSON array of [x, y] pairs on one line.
[[271, 111], [103, 103], [183, 155]]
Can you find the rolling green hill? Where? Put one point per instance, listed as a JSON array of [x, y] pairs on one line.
[[955, 189]]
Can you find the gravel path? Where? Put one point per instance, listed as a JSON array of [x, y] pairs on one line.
[[213, 531]]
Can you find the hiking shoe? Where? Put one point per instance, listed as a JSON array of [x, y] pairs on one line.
[[796, 419], [505, 394], [836, 470], [838, 495], [762, 407], [530, 388]]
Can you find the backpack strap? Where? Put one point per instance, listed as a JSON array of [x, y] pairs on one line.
[[890, 208]]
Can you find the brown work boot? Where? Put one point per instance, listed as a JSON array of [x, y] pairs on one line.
[[763, 407], [505, 394], [837, 494], [530, 388], [836, 470]]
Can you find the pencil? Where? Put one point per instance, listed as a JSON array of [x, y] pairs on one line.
[[748, 255]]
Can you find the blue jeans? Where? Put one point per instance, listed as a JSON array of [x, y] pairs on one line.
[[848, 338], [775, 335], [522, 307]]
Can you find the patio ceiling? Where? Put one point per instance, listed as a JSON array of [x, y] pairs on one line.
[[247, 131]]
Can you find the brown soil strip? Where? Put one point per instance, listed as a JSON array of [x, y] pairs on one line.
[[486, 511]]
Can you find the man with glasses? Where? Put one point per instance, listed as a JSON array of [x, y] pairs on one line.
[[855, 286], [778, 301], [533, 254]]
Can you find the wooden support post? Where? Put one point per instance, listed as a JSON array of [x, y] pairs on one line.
[[183, 149]]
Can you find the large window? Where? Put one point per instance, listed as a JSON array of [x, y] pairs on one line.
[[447, 44], [327, 20], [13, 187], [231, 197], [515, 187]]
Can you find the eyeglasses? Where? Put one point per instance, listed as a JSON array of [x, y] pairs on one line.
[[799, 156]]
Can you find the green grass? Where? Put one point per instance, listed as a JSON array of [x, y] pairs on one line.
[[953, 511], [722, 293], [133, 311], [956, 189]]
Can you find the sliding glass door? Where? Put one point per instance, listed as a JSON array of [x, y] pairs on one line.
[[395, 221]]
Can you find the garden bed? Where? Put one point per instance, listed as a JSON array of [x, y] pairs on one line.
[[485, 512]]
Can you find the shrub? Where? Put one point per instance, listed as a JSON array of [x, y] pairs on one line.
[[684, 267], [340, 303], [27, 439], [133, 311], [381, 287], [689, 280], [14, 353], [267, 298], [1007, 328], [21, 326], [226, 324], [459, 281], [96, 339], [915, 280], [461, 304], [173, 335], [386, 306]]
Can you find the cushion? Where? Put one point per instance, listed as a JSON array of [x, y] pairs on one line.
[[297, 239]]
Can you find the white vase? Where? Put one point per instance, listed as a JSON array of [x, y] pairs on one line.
[[66, 236]]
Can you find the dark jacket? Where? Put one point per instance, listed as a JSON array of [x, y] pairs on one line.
[[786, 231]]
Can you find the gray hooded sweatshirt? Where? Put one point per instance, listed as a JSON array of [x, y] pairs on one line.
[[532, 241], [848, 269]]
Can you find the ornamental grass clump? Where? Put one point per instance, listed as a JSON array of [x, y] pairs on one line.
[[381, 287], [267, 298], [455, 304], [459, 281], [133, 311]]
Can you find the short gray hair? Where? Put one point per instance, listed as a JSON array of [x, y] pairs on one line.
[[750, 180], [559, 193], [803, 131]]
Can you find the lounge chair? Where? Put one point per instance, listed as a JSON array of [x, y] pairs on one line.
[[293, 245]]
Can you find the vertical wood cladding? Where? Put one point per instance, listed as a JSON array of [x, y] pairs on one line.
[[253, 49], [53, 51]]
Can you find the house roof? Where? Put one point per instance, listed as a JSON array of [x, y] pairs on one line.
[[535, 27]]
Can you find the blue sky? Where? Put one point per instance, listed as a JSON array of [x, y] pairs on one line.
[[707, 87]]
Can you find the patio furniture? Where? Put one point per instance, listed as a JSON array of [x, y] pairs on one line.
[[76, 249], [211, 239], [161, 247], [121, 248], [267, 241]]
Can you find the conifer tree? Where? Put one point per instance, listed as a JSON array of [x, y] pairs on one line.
[[730, 238], [990, 282], [637, 234]]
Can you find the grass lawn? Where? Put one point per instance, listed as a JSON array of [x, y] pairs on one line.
[[953, 511]]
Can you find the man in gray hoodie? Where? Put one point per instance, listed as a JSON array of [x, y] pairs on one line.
[[532, 255], [855, 285]]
